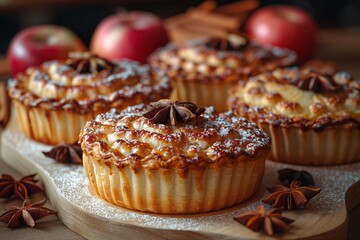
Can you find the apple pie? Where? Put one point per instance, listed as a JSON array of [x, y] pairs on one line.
[[312, 117], [55, 100], [173, 157], [204, 70]]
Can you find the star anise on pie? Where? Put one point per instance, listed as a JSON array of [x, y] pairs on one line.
[[21, 189], [269, 222], [233, 42], [25, 215], [66, 153], [85, 62], [293, 197], [164, 111], [316, 82], [287, 175]]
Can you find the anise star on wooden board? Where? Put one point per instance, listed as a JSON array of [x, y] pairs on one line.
[[25, 215], [269, 222], [287, 175], [293, 197], [21, 189], [66, 153]]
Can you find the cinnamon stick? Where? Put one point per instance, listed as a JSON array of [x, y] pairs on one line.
[[207, 6], [214, 19], [238, 8]]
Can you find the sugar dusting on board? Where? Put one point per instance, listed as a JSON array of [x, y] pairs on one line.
[[72, 184]]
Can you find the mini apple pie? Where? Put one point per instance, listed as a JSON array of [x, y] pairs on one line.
[[312, 118], [173, 157], [204, 70], [54, 101]]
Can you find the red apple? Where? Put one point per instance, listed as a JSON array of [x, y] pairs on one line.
[[132, 35], [286, 27], [35, 45]]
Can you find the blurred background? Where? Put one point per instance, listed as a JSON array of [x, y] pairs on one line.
[[82, 16], [338, 21]]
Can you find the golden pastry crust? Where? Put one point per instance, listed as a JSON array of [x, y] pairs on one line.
[[127, 138], [199, 62], [279, 98], [173, 158], [57, 86], [320, 66], [54, 101]]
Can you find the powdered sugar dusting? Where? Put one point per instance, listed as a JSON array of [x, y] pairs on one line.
[[72, 184]]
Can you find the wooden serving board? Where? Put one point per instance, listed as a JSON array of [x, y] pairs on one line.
[[325, 216]]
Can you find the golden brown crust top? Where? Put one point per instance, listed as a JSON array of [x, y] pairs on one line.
[[292, 97], [199, 61], [128, 138], [75, 87], [320, 66]]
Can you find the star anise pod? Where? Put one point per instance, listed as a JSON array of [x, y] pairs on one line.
[[85, 62], [66, 153], [269, 222], [233, 42], [287, 175], [21, 189], [317, 82], [25, 215], [293, 197], [164, 111]]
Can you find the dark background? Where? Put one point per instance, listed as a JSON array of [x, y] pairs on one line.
[[82, 16]]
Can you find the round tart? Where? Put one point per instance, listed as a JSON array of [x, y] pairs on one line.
[[203, 71], [55, 100], [173, 157], [313, 118]]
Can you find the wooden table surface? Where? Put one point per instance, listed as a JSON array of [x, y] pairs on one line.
[[334, 44]]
